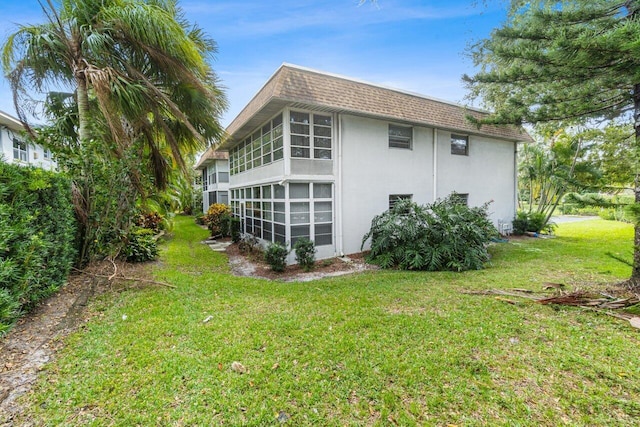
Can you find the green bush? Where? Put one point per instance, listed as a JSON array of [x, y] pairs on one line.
[[37, 237], [217, 219], [141, 245], [444, 235], [249, 244], [532, 222], [234, 229], [275, 255], [305, 251]]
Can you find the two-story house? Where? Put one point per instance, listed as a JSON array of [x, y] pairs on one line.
[[15, 149], [318, 155]]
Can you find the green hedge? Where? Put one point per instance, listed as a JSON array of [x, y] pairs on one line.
[[37, 238]]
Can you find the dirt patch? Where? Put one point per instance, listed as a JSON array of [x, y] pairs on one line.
[[37, 336], [253, 265]]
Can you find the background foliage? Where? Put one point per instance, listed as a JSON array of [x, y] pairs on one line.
[[37, 237]]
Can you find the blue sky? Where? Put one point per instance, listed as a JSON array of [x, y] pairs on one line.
[[412, 45]]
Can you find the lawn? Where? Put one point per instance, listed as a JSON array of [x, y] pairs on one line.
[[377, 348]]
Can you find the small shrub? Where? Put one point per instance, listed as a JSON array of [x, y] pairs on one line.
[[275, 255], [532, 222], [215, 219], [199, 219], [234, 229], [151, 220], [305, 251], [141, 246], [249, 244], [444, 235]]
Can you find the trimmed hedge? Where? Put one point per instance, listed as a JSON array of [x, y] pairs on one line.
[[37, 238]]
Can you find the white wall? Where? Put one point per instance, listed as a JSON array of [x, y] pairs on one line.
[[259, 175], [35, 153], [487, 173], [371, 171]]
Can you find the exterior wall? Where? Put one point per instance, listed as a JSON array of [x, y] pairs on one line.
[[371, 171], [486, 173], [35, 153], [213, 189]]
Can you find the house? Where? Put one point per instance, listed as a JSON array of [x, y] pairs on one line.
[[318, 155], [214, 167], [15, 149]]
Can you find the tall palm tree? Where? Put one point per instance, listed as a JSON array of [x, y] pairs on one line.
[[139, 73]]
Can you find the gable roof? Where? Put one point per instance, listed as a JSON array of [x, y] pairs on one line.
[[300, 87], [210, 156]]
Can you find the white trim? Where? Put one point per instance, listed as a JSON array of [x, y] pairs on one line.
[[339, 209], [435, 164]]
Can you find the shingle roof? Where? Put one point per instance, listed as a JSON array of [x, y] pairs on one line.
[[210, 156], [304, 88]]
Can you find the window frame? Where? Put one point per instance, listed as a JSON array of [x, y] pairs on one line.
[[399, 141], [393, 199], [314, 135], [20, 150], [459, 137]]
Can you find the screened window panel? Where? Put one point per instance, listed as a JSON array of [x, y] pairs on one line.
[[322, 154], [322, 142], [298, 117], [322, 120], [297, 128], [322, 131], [300, 152], [278, 154], [223, 176], [278, 192], [321, 191], [266, 191], [299, 191], [298, 140]]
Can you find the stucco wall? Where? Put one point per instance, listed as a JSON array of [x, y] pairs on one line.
[[35, 153], [487, 173], [258, 175], [372, 171]]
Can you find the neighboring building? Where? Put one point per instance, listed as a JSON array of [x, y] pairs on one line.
[[214, 167], [319, 155], [15, 149]]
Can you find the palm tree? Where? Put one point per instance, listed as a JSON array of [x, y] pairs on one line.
[[139, 74]]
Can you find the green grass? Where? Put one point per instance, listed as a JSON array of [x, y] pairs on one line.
[[377, 348]]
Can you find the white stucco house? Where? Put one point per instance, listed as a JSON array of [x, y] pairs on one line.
[[319, 155], [214, 168], [15, 149]]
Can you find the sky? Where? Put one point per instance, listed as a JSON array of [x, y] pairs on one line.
[[418, 46]]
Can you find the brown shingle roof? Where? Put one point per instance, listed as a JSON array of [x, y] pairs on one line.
[[304, 88], [210, 156]]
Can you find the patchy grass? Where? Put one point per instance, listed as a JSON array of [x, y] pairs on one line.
[[378, 348]]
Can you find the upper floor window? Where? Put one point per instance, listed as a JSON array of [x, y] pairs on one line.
[[460, 198], [19, 150], [47, 154], [400, 136], [223, 176], [310, 135], [460, 145], [262, 147]]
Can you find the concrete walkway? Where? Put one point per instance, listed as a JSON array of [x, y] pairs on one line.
[[562, 219]]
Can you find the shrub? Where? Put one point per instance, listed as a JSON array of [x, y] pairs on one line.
[[215, 219], [151, 220], [305, 251], [141, 245], [444, 235], [37, 237], [249, 244], [234, 229], [199, 219], [533, 222], [275, 255]]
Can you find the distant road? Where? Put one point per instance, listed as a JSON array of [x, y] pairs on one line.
[[571, 218]]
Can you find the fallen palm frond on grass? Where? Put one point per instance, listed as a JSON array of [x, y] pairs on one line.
[[600, 302]]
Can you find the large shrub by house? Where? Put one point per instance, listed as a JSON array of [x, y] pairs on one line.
[[444, 235], [37, 237]]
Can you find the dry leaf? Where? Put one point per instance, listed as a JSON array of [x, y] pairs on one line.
[[238, 367]]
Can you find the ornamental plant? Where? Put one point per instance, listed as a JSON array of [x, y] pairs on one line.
[[216, 219], [305, 251], [275, 255], [444, 235]]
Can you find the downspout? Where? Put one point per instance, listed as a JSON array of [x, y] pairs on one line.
[[515, 179], [435, 164], [338, 192]]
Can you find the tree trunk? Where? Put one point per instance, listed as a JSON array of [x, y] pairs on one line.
[[635, 274], [84, 184]]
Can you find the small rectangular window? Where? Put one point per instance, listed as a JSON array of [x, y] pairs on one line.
[[223, 176], [19, 150], [459, 145], [393, 198], [400, 136]]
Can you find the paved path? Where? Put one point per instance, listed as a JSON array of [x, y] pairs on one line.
[[562, 219]]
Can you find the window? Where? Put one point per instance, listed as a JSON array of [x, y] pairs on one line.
[[400, 136], [393, 198], [310, 141], [461, 198], [47, 154], [262, 147], [205, 180], [223, 197], [223, 176], [459, 145], [19, 150]]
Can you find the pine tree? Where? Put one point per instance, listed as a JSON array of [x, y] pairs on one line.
[[564, 61]]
